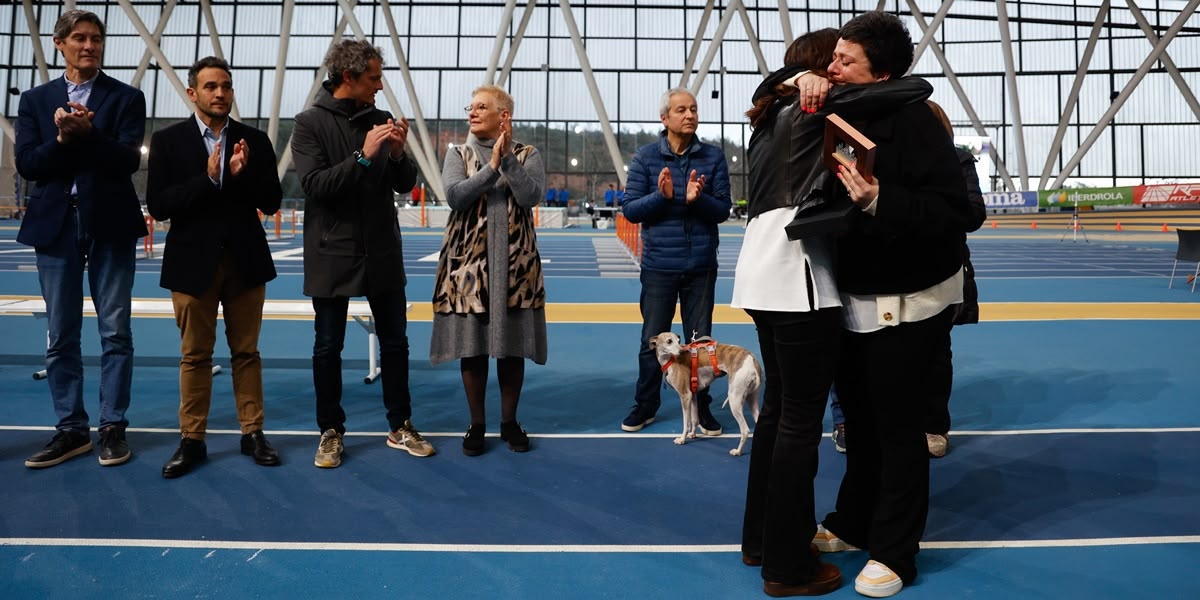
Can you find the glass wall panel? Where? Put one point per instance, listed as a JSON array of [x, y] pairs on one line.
[[640, 94]]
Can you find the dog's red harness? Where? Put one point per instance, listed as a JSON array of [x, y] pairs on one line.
[[708, 345]]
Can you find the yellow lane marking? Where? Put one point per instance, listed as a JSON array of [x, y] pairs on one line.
[[628, 312]]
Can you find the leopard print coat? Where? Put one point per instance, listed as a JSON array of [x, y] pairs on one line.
[[461, 283]]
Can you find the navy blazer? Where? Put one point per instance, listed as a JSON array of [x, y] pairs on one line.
[[207, 221], [101, 164]]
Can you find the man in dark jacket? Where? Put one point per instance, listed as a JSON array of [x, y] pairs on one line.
[[678, 190], [211, 175], [78, 140], [350, 159]]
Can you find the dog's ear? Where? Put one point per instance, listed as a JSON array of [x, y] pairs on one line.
[[653, 341]]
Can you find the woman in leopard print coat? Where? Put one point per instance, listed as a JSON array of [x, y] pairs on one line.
[[488, 297]]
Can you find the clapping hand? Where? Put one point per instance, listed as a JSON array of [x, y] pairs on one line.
[[665, 185], [398, 137], [73, 124], [381, 134], [504, 142], [241, 156], [214, 163], [694, 187]]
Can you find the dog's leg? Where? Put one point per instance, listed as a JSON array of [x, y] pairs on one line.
[[685, 402], [737, 399], [693, 417]]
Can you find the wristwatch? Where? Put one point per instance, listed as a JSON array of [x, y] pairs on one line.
[[361, 159]]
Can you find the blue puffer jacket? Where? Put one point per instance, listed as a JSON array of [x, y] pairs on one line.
[[675, 236]]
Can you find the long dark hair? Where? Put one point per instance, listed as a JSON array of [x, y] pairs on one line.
[[812, 51]]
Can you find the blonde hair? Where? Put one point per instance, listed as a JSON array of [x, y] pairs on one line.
[[502, 98]]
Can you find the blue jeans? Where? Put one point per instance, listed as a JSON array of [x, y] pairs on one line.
[[391, 325], [661, 291], [835, 407], [110, 268]]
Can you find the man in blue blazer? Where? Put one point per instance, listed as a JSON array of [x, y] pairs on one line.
[[211, 175], [79, 140]]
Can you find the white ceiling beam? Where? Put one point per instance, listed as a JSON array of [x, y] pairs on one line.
[[1073, 97], [614, 152], [1117, 103]]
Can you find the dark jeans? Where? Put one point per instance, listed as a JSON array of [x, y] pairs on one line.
[[799, 350], [391, 326], [661, 291], [883, 385]]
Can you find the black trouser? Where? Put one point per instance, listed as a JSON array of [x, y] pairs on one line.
[[391, 326], [882, 384], [799, 350], [941, 383]]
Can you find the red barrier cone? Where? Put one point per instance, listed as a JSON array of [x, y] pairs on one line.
[[1033, 224], [1118, 225], [1165, 228], [993, 224]]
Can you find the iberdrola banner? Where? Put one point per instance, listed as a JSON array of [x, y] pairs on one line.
[[1086, 197]]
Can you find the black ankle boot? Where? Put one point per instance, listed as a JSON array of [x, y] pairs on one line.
[[518, 440], [473, 441]]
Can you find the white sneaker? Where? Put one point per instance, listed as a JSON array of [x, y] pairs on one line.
[[826, 541], [877, 581], [938, 444]]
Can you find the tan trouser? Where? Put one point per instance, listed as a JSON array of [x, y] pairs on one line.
[[196, 317]]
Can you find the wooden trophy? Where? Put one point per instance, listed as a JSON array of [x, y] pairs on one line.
[[840, 133]]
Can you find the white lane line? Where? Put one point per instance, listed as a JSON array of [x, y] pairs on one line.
[[291, 254], [260, 546], [601, 436]]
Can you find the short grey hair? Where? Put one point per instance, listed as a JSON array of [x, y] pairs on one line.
[[664, 105], [350, 55], [67, 22], [503, 99]]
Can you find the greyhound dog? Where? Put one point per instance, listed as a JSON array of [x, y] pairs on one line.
[[692, 368]]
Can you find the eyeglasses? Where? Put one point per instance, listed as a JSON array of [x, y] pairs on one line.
[[477, 107]]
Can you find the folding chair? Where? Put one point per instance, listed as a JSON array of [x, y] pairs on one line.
[[1188, 251]]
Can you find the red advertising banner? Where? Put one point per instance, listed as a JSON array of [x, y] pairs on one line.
[[1177, 193]]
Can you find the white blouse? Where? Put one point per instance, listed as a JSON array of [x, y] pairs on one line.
[[770, 268]]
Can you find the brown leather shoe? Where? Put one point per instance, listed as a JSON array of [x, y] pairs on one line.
[[827, 579]]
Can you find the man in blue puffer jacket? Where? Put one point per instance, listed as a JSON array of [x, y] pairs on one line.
[[678, 190]]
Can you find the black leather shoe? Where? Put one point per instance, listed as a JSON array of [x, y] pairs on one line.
[[190, 454], [255, 444]]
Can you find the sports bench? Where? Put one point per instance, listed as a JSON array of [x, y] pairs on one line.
[[272, 309]]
